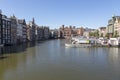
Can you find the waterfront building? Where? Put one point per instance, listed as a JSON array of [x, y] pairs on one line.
[[28, 33], [74, 32], [22, 23], [80, 31], [61, 32], [116, 25], [54, 33], [42, 32], [31, 30], [102, 31], [38, 33], [65, 32], [110, 27], [13, 29], [71, 31], [113, 28], [41, 35], [19, 32], [68, 32], [1, 27], [6, 29], [46, 32]]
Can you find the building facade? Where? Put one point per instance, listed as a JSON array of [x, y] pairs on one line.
[[1, 40], [54, 33], [65, 32], [22, 23], [19, 32], [80, 31], [113, 28], [116, 25], [102, 31], [13, 29], [31, 31], [110, 27], [6, 29], [38, 33], [46, 32]]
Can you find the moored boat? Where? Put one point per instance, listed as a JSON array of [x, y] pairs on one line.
[[78, 45], [79, 42]]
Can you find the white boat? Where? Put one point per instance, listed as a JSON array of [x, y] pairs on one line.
[[78, 45], [79, 42]]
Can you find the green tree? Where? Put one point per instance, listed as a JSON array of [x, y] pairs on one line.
[[96, 33], [107, 35], [115, 34], [101, 35], [91, 34]]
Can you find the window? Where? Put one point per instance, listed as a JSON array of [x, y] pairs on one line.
[[3, 25], [3, 41]]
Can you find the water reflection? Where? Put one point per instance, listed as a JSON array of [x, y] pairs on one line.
[[16, 48], [114, 53], [51, 60], [114, 57], [16, 63]]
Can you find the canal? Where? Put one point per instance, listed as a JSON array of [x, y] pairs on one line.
[[51, 60]]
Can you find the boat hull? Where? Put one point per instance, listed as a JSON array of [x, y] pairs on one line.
[[78, 45]]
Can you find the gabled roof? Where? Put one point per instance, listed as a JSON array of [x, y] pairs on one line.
[[22, 21]]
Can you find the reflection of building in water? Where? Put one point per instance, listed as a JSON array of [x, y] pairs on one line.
[[1, 51], [114, 55], [14, 49]]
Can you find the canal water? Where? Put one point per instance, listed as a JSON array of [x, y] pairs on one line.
[[51, 60]]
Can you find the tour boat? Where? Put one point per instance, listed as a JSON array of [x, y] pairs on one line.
[[78, 45], [79, 42]]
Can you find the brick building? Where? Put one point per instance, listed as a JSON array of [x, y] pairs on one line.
[[80, 31], [65, 32]]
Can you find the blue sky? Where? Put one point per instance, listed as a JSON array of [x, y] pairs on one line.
[[54, 13]]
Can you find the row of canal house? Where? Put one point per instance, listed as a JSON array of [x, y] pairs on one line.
[[67, 32], [13, 30], [113, 28], [35, 32]]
